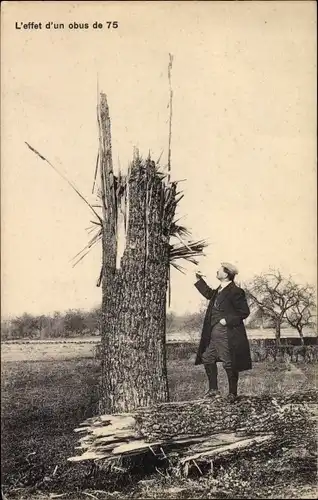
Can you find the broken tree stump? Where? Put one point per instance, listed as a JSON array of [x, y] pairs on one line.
[[137, 224]]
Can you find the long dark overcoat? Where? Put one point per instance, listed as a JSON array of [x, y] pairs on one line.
[[234, 308]]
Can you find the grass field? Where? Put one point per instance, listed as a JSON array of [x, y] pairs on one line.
[[43, 401], [84, 347]]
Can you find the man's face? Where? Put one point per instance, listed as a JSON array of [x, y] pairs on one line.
[[221, 274]]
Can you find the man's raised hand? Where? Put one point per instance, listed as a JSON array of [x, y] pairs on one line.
[[198, 275]]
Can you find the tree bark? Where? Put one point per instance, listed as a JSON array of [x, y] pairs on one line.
[[134, 371]]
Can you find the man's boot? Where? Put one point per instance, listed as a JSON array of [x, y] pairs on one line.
[[233, 377], [212, 374]]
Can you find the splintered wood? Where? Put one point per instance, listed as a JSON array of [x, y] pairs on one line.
[[198, 431]]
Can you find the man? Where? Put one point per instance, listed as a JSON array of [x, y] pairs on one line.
[[224, 336]]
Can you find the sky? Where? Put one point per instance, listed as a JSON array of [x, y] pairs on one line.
[[243, 136]]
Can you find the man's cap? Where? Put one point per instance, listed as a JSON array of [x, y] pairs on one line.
[[230, 267]]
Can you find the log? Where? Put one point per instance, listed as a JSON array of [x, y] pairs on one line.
[[199, 429]]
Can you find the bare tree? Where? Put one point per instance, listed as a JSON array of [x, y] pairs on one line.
[[274, 296], [302, 314]]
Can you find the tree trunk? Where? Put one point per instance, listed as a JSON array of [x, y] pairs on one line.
[[300, 331], [277, 334], [134, 369]]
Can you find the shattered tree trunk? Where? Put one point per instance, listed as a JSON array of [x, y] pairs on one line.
[[134, 371], [201, 429]]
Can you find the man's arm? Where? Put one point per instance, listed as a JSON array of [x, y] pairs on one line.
[[204, 289], [242, 311]]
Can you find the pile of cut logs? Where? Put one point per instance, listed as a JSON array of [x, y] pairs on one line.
[[198, 431]]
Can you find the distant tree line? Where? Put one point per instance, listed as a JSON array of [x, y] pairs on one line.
[[77, 323], [72, 323], [275, 302]]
